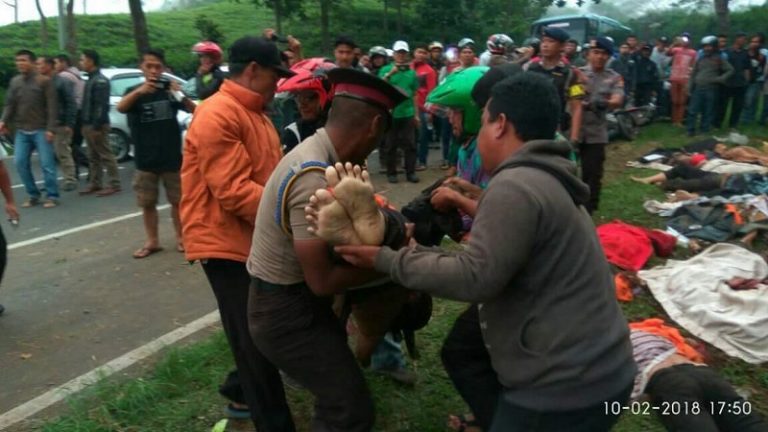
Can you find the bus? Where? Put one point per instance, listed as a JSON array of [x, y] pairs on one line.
[[584, 27]]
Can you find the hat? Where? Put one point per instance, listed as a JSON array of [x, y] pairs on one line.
[[646, 47], [602, 43], [344, 40], [400, 46], [434, 45], [363, 86], [555, 33], [255, 49]]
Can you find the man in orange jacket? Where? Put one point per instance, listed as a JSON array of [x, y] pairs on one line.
[[231, 150]]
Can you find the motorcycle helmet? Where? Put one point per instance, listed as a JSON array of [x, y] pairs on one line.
[[208, 48], [466, 42], [532, 42], [311, 74], [499, 44], [709, 40], [377, 51], [456, 92]]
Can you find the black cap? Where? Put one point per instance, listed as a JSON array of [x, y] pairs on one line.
[[481, 92], [603, 43], [555, 33], [344, 40], [255, 49], [646, 47], [363, 86]]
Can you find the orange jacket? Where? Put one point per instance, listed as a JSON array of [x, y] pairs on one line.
[[656, 326], [230, 151]]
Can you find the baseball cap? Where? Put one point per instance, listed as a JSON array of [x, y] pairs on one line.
[[400, 46], [255, 49], [435, 45], [555, 33], [603, 43]]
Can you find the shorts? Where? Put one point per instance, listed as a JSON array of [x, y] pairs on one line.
[[147, 187]]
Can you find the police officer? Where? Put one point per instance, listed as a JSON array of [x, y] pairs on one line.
[[566, 78], [605, 91], [294, 275]]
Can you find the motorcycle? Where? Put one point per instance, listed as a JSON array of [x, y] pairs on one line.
[[626, 122]]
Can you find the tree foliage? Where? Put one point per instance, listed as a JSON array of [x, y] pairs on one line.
[[209, 29]]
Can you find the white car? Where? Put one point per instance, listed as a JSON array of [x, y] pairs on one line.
[[120, 80]]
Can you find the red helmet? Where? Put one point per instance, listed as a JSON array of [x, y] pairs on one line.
[[208, 48], [310, 75]]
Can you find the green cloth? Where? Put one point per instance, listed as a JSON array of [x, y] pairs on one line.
[[408, 83]]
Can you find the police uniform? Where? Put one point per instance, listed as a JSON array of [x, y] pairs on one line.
[[600, 87], [566, 78], [295, 329]]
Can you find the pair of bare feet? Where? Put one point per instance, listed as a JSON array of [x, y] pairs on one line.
[[346, 213]]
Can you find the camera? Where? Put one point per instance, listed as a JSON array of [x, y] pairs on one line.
[[162, 83]]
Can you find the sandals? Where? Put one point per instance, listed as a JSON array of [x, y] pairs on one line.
[[145, 252]]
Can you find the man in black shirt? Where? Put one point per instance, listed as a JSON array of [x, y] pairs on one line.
[[151, 108], [735, 88]]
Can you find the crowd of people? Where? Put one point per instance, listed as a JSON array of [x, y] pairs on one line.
[[277, 206]]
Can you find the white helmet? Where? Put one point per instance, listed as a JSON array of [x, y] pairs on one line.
[[466, 42], [709, 40], [499, 44]]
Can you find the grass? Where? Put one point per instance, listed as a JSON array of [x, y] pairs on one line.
[[180, 392]]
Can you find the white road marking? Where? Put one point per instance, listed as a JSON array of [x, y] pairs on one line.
[[59, 393], [39, 182], [77, 229]]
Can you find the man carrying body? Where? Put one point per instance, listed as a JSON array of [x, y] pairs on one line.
[[230, 151], [151, 108], [294, 273], [65, 121], [96, 127], [30, 105], [405, 119], [567, 80], [557, 339], [605, 92]]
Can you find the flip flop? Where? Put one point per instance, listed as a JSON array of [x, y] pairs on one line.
[[145, 252]]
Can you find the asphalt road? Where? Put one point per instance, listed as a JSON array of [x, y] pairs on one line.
[[77, 299]]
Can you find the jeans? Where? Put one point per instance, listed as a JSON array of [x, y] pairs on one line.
[[512, 418], [425, 136], [702, 102], [750, 102], [26, 142], [388, 355]]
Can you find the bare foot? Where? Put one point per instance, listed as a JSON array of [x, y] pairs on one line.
[[644, 180], [681, 195], [359, 212], [329, 220]]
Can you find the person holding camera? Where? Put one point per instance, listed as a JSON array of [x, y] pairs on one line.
[[405, 118], [151, 108]]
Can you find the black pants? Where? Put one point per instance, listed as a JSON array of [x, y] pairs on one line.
[[78, 156], [512, 418], [688, 178], [719, 109], [468, 364], [644, 93], [3, 254], [592, 157], [260, 380], [735, 96], [300, 334], [402, 135], [689, 384]]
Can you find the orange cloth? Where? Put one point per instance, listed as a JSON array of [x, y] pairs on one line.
[[623, 288], [656, 326], [732, 209], [230, 151]]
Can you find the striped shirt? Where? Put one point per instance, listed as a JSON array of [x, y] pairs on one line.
[[648, 350]]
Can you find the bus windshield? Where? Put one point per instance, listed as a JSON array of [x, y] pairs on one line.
[[576, 28]]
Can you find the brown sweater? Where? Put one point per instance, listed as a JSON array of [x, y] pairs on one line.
[[30, 103]]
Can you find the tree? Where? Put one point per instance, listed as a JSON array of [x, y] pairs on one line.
[[209, 29], [325, 12], [282, 8], [70, 44], [43, 27], [722, 11], [140, 33], [15, 5]]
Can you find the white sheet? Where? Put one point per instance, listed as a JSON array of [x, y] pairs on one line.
[[723, 166], [695, 295]]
